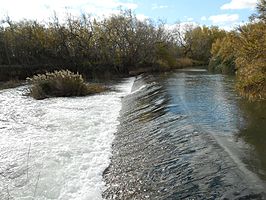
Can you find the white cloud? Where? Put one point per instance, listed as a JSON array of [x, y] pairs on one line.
[[224, 18], [232, 26], [182, 26], [203, 18], [187, 19], [43, 9], [156, 6], [142, 17], [239, 4]]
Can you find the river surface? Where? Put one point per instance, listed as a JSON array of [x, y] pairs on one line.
[[178, 135], [58, 148], [187, 135]]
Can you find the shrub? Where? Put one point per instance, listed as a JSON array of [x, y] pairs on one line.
[[224, 54], [250, 62], [184, 62], [218, 66], [62, 83]]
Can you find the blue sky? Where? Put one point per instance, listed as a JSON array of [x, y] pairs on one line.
[[193, 10], [224, 13]]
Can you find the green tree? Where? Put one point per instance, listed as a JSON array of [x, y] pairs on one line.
[[198, 42], [224, 54], [261, 11]]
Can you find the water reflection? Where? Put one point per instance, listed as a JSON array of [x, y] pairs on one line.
[[253, 132], [207, 99], [211, 102], [170, 141]]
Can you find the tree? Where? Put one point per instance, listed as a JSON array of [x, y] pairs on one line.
[[224, 54], [261, 11], [199, 40], [251, 59]]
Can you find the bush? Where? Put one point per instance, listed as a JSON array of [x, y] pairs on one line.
[[62, 83], [224, 54], [217, 65], [243, 52], [184, 62], [250, 62]]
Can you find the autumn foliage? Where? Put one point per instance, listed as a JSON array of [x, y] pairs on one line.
[[244, 51]]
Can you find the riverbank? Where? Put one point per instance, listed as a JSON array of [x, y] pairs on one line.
[[11, 84], [16, 75]]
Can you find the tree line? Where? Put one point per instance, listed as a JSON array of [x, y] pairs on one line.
[[120, 43]]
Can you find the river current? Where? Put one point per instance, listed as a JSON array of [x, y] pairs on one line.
[[187, 135], [58, 148], [179, 135]]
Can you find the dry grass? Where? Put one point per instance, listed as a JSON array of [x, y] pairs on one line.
[[184, 62], [62, 83]]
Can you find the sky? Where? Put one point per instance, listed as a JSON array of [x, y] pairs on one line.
[[226, 14]]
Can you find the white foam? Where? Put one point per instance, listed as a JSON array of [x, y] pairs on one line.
[[139, 89], [63, 144]]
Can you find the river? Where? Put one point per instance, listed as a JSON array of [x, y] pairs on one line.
[[187, 135], [179, 135], [56, 148]]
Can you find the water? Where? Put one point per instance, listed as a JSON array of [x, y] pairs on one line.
[[253, 134], [182, 135], [187, 135], [56, 148]]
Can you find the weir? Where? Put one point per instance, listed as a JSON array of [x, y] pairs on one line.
[[177, 140], [174, 135]]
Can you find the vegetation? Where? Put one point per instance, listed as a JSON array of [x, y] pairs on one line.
[[198, 42], [223, 54], [261, 12], [61, 84], [122, 44], [244, 51], [117, 44], [251, 61]]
